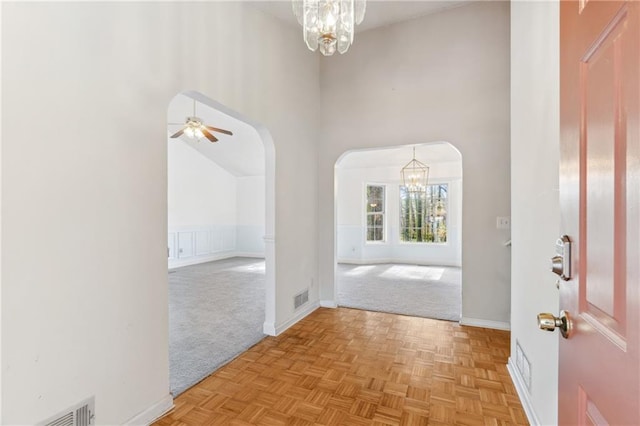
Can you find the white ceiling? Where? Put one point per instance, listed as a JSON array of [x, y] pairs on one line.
[[431, 153], [241, 154], [378, 13]]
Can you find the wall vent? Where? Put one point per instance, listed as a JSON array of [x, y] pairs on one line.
[[300, 299], [81, 414], [523, 365]]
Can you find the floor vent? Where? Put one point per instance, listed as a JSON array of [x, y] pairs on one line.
[[82, 414], [300, 299]]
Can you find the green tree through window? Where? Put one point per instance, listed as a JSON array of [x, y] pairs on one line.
[[375, 213], [423, 214]]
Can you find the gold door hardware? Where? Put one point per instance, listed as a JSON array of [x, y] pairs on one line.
[[550, 322]]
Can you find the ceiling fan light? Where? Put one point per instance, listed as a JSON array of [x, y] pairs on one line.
[[194, 128]]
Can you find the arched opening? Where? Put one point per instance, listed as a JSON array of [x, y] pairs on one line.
[[398, 249], [220, 225]]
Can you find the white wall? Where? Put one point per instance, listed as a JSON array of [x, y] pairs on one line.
[[351, 219], [84, 186], [212, 214], [200, 192], [439, 77], [534, 197], [201, 212], [250, 215]]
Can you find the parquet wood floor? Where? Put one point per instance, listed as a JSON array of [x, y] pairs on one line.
[[351, 367]]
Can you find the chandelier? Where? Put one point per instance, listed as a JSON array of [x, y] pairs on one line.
[[415, 175], [329, 24]]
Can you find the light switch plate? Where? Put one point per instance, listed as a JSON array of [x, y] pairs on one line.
[[503, 222]]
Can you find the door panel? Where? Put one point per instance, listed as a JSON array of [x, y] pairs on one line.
[[599, 195], [602, 159]]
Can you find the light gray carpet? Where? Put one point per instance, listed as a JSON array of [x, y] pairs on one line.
[[424, 291], [216, 311]]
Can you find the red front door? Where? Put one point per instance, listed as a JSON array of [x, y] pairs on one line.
[[599, 379]]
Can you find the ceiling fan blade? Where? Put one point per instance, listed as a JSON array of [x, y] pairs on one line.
[[208, 135], [215, 129], [178, 133]]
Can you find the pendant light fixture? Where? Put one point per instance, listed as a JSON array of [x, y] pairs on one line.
[[415, 175], [329, 25]]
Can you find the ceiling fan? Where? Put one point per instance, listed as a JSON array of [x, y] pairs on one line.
[[194, 127]]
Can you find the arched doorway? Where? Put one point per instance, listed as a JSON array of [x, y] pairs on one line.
[[221, 222], [397, 250]]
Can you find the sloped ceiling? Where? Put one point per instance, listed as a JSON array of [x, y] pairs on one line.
[[241, 154]]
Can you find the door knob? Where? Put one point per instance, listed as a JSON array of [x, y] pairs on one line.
[[550, 322]]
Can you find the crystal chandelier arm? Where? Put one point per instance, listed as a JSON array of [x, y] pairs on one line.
[[329, 24], [360, 7], [298, 10], [310, 24]]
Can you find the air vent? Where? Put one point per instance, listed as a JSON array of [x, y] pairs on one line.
[[300, 299], [81, 414]]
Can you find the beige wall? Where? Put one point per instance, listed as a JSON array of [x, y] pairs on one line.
[[442, 77], [84, 185]]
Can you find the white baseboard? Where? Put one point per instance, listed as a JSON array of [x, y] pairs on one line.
[[269, 328], [297, 317], [179, 263], [249, 254], [349, 261], [359, 261], [152, 413], [476, 322], [328, 304], [525, 398]]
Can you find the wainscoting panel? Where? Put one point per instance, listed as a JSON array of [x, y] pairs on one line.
[[203, 246], [185, 244], [229, 238], [188, 246], [216, 240], [171, 246]]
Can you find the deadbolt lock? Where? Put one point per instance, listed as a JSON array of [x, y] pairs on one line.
[[549, 322], [561, 262]]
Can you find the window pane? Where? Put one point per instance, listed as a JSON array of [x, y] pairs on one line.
[[375, 198], [370, 234], [423, 215], [374, 207], [375, 212]]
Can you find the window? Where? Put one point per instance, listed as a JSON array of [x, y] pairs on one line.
[[423, 215], [375, 213]]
